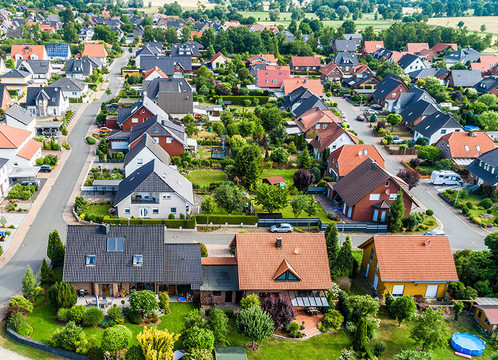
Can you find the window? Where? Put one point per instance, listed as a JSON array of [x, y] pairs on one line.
[[466, 147], [387, 183], [274, 81], [155, 140], [155, 211], [478, 148], [115, 244], [371, 254], [377, 267], [127, 210], [138, 260], [394, 95], [287, 276], [90, 260], [393, 196], [166, 196], [442, 144], [374, 197], [173, 210], [398, 290], [140, 161], [143, 111], [443, 131], [134, 120], [365, 151], [169, 140], [216, 293]]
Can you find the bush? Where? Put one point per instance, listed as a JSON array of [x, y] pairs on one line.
[[134, 317], [93, 316], [429, 212], [62, 295], [76, 313], [198, 338], [294, 330], [230, 219], [135, 352], [412, 220], [486, 203], [249, 301], [143, 301], [90, 140], [331, 321], [22, 303], [164, 302], [204, 250], [379, 348], [63, 315], [114, 312], [20, 325], [228, 312]]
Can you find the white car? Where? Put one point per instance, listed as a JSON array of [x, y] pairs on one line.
[[282, 228], [435, 232]]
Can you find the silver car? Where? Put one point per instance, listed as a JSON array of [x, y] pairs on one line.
[[282, 228], [434, 232]]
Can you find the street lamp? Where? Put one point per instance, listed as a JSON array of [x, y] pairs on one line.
[[458, 193]]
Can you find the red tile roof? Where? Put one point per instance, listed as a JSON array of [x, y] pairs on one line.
[[360, 68], [218, 55], [397, 55], [439, 47], [273, 76], [316, 116], [330, 134], [27, 50], [484, 63], [348, 158], [305, 61], [314, 86], [331, 69], [155, 68], [219, 260], [458, 142], [95, 50], [30, 149], [275, 180], [414, 48], [11, 137], [266, 57], [413, 258], [491, 312], [259, 261], [372, 46]]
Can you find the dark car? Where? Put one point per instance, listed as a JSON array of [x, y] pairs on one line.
[[45, 168], [35, 183], [376, 107], [360, 118], [111, 107]]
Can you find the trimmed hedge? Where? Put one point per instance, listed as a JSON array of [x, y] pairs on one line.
[[170, 223], [90, 140], [230, 219], [239, 100]]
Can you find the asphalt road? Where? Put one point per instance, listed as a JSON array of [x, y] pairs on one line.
[[462, 235], [34, 245]]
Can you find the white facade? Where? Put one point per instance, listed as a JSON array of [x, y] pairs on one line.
[[4, 182], [343, 139], [143, 157], [10, 121], [416, 65], [17, 161], [153, 206], [436, 136]]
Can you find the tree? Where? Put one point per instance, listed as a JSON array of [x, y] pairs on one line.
[[310, 208], [55, 248], [411, 177], [332, 243], [72, 338], [429, 152], [70, 34], [298, 204], [62, 295], [271, 117], [29, 284], [460, 24], [361, 306], [430, 329], [281, 311], [342, 11], [248, 165], [349, 27], [143, 301], [271, 197], [388, 68], [250, 301], [208, 206], [491, 241], [229, 197], [360, 335], [274, 14], [345, 262], [115, 338], [303, 179], [457, 309], [198, 338], [394, 120], [403, 308], [255, 324], [489, 120], [47, 276], [218, 323], [331, 321], [304, 160], [413, 354], [279, 155], [10, 63], [157, 344], [394, 218]]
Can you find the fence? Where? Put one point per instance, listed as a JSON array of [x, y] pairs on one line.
[[316, 222], [317, 190]]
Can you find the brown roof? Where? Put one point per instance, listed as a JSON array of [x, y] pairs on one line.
[[314, 86], [443, 46], [459, 140], [491, 312], [348, 158], [372, 46], [413, 258], [29, 150], [314, 116], [95, 50], [219, 260], [259, 261], [305, 61], [414, 48], [327, 136], [362, 180], [329, 68], [11, 137], [484, 63], [275, 180], [266, 57]]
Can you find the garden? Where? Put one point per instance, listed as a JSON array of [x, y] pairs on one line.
[[103, 174]]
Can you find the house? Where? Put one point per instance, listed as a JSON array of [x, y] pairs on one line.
[[80, 68], [141, 111], [18, 80], [346, 158], [305, 63], [71, 88], [463, 78], [364, 84], [150, 49], [463, 56], [95, 51], [427, 55], [346, 61], [313, 102], [358, 38], [20, 118], [272, 77], [220, 283], [411, 63], [18, 147], [382, 54], [414, 113], [316, 119], [314, 85], [484, 63], [296, 97], [28, 52], [413, 96], [432, 127], [287, 36], [58, 52], [389, 90], [396, 56], [463, 147], [441, 47], [345, 45], [149, 75], [493, 70], [86, 33], [155, 190], [367, 192], [295, 267], [173, 95], [170, 65], [46, 101], [189, 48], [5, 99], [412, 265], [4, 178], [484, 169], [219, 60], [331, 72], [267, 59], [486, 314], [331, 138], [370, 47], [108, 260], [415, 48], [40, 70], [487, 85], [142, 153], [424, 73]]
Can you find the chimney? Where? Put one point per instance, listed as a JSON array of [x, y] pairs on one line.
[[106, 228], [278, 243], [374, 164], [427, 243]]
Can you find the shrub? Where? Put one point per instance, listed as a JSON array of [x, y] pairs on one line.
[[379, 348], [90, 140], [280, 309], [134, 317], [143, 301], [429, 212], [465, 210], [198, 338], [228, 312], [63, 315], [293, 330], [62, 295], [164, 302], [486, 203], [204, 250], [412, 220], [469, 205], [22, 303], [93, 316], [72, 338], [76, 313], [114, 312], [135, 352], [331, 321], [344, 283], [249, 301]]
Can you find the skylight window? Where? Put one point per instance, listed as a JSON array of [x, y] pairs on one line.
[[90, 260], [115, 244], [138, 260]]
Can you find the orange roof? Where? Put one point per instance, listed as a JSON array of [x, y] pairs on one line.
[[30, 149], [414, 48], [155, 68], [219, 261], [459, 142], [314, 116], [372, 46], [196, 33], [47, 28], [347, 157], [266, 57], [260, 261], [360, 68], [397, 55], [27, 50], [275, 180], [314, 86], [413, 258], [11, 137], [95, 50], [328, 135], [484, 63], [443, 46], [331, 69], [305, 61], [219, 54], [272, 76]]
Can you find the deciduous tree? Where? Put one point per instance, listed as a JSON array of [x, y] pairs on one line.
[[143, 301], [229, 197], [298, 204], [115, 338], [411, 177], [208, 206], [430, 329], [303, 179], [157, 344], [281, 311], [255, 324], [271, 197], [403, 308]]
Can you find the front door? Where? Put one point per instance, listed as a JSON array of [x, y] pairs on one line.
[[172, 290], [105, 289], [376, 282], [375, 215], [431, 291], [228, 296], [144, 212], [383, 216]]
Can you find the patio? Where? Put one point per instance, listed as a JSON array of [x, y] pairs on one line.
[[310, 322]]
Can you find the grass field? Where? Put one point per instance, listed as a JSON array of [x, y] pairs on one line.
[[287, 174], [206, 177], [100, 210], [472, 23]]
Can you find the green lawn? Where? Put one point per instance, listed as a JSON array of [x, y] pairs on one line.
[[287, 174], [206, 177], [100, 210]]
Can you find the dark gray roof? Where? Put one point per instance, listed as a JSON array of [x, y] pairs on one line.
[[418, 109], [360, 79], [356, 37], [117, 266], [387, 85], [490, 158], [147, 142], [190, 48], [424, 73], [407, 60], [158, 126], [17, 22], [3, 161], [413, 96], [346, 59], [168, 85], [52, 94], [125, 112], [182, 265], [67, 84], [3, 89], [220, 278], [435, 122], [463, 55], [312, 102], [345, 45], [465, 78], [24, 116], [165, 63], [381, 53], [53, 17], [15, 73], [297, 95], [149, 49], [14, 33], [486, 84], [35, 66], [83, 66], [288, 36]]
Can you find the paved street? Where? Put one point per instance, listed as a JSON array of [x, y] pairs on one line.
[[34, 245], [461, 233]]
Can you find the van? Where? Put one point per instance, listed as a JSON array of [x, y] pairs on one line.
[[445, 177], [36, 183]]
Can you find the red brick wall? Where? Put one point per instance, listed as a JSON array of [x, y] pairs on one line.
[[174, 148], [400, 89], [142, 117], [112, 123], [494, 91]]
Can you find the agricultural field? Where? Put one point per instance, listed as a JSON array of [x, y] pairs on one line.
[[472, 23]]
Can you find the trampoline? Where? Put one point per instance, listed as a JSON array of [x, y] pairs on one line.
[[467, 344], [182, 299]]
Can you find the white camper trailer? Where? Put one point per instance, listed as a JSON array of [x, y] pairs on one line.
[[445, 177]]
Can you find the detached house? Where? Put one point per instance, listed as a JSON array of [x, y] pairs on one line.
[[370, 47], [58, 52], [415, 48], [389, 90], [145, 150], [149, 75], [219, 60], [414, 113], [367, 192], [314, 85], [316, 119], [464, 147], [173, 95], [463, 78], [487, 85], [20, 118], [154, 190], [412, 265], [331, 72], [141, 111], [346, 61], [440, 47], [148, 49], [346, 158], [46, 101], [410, 63], [97, 51], [80, 68], [462, 56], [18, 147], [71, 88], [432, 127], [486, 313], [345, 46], [484, 169], [28, 52], [17, 80], [40, 70], [272, 77], [333, 137], [305, 63]]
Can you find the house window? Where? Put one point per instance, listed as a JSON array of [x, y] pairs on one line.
[[138, 260], [377, 267], [394, 95], [140, 161], [173, 210], [90, 260], [365, 152], [169, 140], [166, 196], [387, 183], [393, 196], [143, 111], [287, 276], [155, 211], [466, 147], [442, 144], [478, 148], [374, 197], [134, 120], [443, 131], [398, 290], [155, 140], [115, 244], [127, 210], [317, 126], [216, 293], [274, 81], [371, 254]]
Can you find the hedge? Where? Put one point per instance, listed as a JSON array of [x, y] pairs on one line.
[[170, 223], [239, 100], [76, 101], [90, 140], [230, 219]]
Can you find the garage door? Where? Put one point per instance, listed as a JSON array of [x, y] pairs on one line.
[[431, 291]]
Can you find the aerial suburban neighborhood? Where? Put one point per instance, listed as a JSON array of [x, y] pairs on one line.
[[233, 180]]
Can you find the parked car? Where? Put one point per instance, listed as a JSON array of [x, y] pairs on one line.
[[112, 107], [104, 130], [45, 168], [360, 118], [445, 177], [434, 232], [371, 111], [36, 183], [376, 107], [281, 228], [397, 141]]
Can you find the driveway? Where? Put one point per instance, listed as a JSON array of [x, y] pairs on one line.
[[34, 245], [462, 235]]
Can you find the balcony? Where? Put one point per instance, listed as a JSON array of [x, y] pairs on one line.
[[141, 199]]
